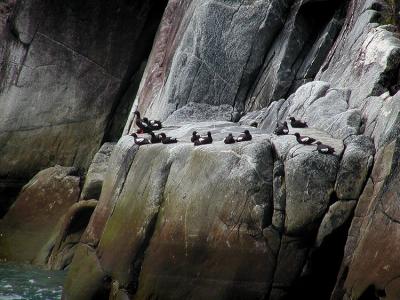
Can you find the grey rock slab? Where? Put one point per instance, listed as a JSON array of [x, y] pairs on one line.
[[60, 81], [337, 215], [200, 112], [310, 180], [218, 49], [97, 170], [114, 180], [359, 156]]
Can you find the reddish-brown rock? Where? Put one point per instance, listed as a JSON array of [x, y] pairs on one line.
[[29, 223]]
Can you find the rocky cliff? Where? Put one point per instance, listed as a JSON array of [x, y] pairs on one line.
[[265, 219]]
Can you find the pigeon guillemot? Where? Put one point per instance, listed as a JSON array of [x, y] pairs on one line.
[[282, 129], [155, 139], [195, 136], [167, 140], [229, 139], [245, 136], [153, 124], [203, 140], [297, 123], [143, 126], [305, 140], [324, 149], [140, 141]]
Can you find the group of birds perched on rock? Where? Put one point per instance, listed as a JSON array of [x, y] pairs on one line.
[[283, 129], [148, 126]]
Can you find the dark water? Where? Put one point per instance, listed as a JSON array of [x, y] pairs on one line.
[[27, 282]]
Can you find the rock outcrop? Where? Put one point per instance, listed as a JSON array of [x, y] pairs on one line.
[[187, 207], [265, 219], [182, 236]]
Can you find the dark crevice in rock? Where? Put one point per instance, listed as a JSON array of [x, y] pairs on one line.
[[130, 83], [322, 267], [333, 198], [339, 292], [390, 80], [371, 293], [74, 224], [137, 260], [318, 15], [9, 190], [103, 293], [393, 79], [80, 220], [139, 257]]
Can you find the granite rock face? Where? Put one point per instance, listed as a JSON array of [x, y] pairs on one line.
[[266, 219], [62, 82], [245, 54]]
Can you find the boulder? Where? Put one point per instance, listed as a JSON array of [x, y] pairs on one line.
[[359, 155], [192, 221], [30, 222], [93, 282], [170, 214], [310, 182], [97, 170]]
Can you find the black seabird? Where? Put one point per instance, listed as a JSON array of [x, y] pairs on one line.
[[143, 126], [282, 129], [297, 123], [305, 140], [245, 136], [254, 124], [140, 141], [155, 139], [195, 136], [229, 139], [154, 124], [203, 140], [324, 149], [167, 140]]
